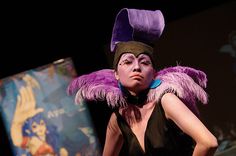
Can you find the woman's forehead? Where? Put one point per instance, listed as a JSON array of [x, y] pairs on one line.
[[130, 55]]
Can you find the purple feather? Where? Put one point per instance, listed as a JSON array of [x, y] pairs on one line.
[[197, 75], [105, 76], [98, 85], [187, 83]]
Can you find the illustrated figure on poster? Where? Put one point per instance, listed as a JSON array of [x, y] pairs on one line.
[[29, 128]]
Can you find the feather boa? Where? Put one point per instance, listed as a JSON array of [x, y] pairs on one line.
[[187, 83]]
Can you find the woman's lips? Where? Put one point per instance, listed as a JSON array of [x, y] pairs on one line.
[[136, 76]]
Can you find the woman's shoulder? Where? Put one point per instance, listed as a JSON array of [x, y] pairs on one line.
[[113, 126]]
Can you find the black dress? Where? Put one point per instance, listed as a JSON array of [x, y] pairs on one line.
[[162, 137]]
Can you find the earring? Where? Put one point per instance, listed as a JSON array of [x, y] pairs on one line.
[[120, 85], [155, 83]]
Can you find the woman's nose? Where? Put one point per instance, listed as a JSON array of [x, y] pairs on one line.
[[136, 66]]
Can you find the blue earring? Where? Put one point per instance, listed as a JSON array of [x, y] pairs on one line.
[[120, 86], [155, 83]]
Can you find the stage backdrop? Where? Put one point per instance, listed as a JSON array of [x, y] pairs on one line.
[[207, 41], [39, 116]]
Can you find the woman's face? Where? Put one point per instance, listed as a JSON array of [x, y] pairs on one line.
[[39, 128], [135, 73]]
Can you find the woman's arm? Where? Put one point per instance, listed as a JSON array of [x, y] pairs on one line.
[[176, 110], [114, 140], [25, 108]]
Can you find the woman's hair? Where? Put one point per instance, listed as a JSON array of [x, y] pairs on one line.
[[51, 130]]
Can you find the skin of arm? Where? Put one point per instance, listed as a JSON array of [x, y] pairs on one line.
[[177, 111], [25, 108], [114, 139], [16, 133]]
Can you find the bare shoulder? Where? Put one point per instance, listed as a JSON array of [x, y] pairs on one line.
[[114, 139], [169, 98], [113, 125], [173, 106]]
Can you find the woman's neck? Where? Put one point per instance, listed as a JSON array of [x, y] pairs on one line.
[[137, 99], [42, 137]]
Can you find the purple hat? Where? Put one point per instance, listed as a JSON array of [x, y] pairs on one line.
[[137, 25]]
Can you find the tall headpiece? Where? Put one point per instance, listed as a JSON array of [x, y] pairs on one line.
[[135, 31]]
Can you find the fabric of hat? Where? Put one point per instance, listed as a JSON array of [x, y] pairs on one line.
[[133, 47], [142, 26], [137, 25]]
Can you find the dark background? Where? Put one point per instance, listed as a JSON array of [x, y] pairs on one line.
[[35, 34]]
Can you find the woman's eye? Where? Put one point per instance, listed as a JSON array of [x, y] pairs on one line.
[[126, 62], [146, 62], [34, 126], [42, 122]]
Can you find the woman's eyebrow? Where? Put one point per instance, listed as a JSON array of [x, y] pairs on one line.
[[127, 57], [144, 58]]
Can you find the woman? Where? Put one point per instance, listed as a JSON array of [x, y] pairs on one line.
[[154, 112], [152, 127]]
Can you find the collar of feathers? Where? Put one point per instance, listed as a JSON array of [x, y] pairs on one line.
[[186, 82]]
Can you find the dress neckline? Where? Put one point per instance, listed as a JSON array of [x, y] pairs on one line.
[[145, 133]]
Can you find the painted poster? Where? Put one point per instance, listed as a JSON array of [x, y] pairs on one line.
[[41, 119]]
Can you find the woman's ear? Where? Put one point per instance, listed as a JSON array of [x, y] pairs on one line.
[[116, 75]]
